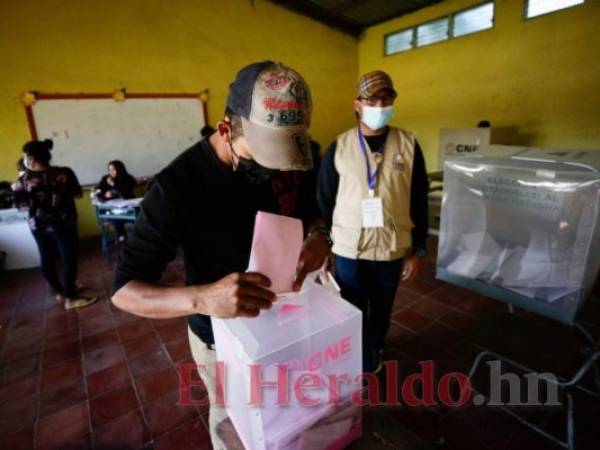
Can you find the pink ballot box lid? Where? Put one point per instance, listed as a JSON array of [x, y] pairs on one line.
[[276, 247]]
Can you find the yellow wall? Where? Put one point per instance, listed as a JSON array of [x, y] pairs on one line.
[[542, 75], [162, 46]]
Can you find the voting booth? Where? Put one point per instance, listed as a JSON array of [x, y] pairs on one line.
[[467, 141], [462, 142], [523, 229], [314, 332]]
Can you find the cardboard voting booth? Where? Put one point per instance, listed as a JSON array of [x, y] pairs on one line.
[[462, 142], [313, 333], [523, 229], [467, 141]]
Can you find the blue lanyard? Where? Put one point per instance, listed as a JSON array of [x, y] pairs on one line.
[[371, 178]]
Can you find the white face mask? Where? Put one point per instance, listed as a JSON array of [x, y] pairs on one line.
[[376, 117]]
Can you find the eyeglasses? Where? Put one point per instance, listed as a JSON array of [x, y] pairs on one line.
[[385, 100]]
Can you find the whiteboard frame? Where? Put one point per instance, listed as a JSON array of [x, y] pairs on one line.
[[102, 96]]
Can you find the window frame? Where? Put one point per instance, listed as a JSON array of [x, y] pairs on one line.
[[450, 34], [526, 10], [403, 30], [475, 6]]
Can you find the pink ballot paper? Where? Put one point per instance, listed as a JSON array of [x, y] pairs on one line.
[[276, 247]]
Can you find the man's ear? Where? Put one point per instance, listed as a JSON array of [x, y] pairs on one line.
[[224, 129], [357, 108]]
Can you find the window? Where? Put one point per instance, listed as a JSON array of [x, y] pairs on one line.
[[535, 8], [399, 42], [432, 32], [473, 20]]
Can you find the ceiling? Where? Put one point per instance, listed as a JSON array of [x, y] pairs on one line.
[[353, 16]]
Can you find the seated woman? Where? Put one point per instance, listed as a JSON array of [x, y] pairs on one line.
[[49, 193], [118, 183]]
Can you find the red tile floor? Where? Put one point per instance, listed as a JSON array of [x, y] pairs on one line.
[[103, 379]]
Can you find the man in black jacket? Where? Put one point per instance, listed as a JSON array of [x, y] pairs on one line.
[[205, 203]]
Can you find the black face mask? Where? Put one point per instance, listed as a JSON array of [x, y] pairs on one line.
[[253, 172]]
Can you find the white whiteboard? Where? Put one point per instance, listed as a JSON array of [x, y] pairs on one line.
[[145, 133]]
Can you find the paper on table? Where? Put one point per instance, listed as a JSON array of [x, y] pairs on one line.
[[276, 248], [122, 203]]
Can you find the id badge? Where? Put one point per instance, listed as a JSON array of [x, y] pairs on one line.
[[372, 212]]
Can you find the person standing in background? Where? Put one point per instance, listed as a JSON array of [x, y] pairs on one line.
[[372, 193], [49, 193]]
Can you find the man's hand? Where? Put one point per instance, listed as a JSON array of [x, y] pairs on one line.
[[237, 295], [411, 267], [314, 251]]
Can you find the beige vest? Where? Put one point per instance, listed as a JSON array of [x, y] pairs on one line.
[[393, 186]]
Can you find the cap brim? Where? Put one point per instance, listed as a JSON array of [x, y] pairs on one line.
[[280, 149], [376, 87]]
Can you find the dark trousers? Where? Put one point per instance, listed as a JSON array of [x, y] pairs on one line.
[[119, 227], [371, 287], [63, 245]]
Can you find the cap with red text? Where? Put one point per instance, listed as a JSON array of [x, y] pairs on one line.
[[274, 103]]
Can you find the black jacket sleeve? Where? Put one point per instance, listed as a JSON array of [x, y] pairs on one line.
[[156, 237], [419, 207], [327, 185]]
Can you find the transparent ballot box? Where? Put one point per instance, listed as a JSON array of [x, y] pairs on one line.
[[314, 333], [523, 229]]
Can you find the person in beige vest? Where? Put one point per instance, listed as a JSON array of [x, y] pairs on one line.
[[372, 193]]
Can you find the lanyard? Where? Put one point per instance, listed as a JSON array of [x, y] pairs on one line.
[[371, 178]]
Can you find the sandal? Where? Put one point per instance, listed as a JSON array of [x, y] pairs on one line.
[[80, 302]]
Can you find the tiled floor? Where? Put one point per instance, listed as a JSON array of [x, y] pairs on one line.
[[100, 378], [92, 378]]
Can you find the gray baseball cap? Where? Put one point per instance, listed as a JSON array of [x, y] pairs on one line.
[[274, 103]]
